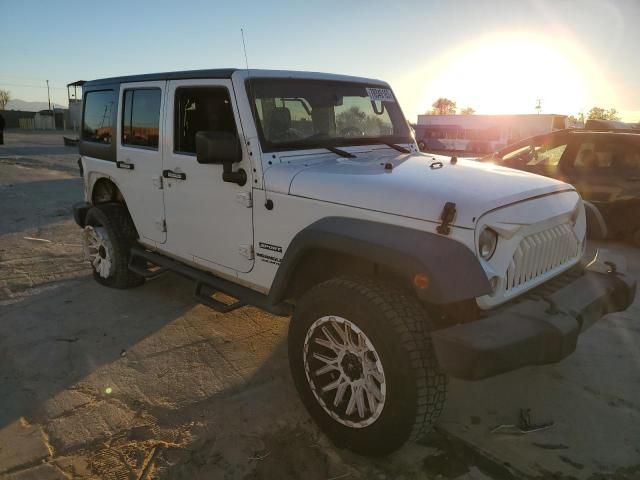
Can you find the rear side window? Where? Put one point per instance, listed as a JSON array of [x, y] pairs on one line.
[[98, 109], [141, 117], [606, 155], [200, 109]]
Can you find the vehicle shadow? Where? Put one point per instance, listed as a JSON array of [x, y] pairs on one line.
[[51, 341], [128, 378]]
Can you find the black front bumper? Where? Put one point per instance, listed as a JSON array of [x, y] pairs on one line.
[[532, 332]]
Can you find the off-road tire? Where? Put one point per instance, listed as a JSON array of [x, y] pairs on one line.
[[398, 328], [122, 234]]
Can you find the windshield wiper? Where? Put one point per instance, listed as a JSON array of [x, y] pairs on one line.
[[342, 153], [399, 148]]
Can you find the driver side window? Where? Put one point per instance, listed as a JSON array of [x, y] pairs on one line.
[[536, 155], [200, 109], [548, 155]]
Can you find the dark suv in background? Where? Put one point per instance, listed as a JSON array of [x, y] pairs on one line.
[[604, 166]]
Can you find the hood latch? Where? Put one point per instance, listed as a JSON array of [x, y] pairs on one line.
[[446, 217]]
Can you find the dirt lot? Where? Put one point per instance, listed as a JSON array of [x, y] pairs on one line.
[[145, 383]]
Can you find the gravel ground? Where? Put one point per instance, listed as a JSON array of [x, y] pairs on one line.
[[145, 383]]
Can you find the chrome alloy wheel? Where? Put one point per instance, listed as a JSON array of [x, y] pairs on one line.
[[98, 250], [344, 371]]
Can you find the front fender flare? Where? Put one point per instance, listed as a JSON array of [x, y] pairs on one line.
[[454, 272]]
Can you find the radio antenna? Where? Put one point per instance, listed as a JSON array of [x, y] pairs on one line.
[[246, 63], [252, 105], [244, 47]]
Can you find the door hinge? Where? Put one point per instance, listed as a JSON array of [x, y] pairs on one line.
[[246, 251], [157, 181], [244, 198], [161, 225]]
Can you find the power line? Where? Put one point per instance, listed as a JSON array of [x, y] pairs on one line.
[[30, 86]]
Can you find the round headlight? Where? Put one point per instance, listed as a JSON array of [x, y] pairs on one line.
[[487, 243]]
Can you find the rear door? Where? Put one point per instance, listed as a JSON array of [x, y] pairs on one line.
[[209, 221], [606, 167], [139, 156]]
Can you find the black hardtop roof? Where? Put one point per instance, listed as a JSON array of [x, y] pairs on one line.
[[149, 77], [584, 131], [618, 131]]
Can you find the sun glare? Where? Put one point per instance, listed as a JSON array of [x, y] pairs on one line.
[[508, 73]]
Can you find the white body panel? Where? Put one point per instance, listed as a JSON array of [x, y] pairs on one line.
[[292, 214], [414, 189]]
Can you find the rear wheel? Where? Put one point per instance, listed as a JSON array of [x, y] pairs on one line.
[[363, 364], [108, 237]]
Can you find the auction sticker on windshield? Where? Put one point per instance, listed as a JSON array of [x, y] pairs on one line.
[[382, 94]]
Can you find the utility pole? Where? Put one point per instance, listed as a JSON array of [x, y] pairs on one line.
[[48, 95], [539, 105]]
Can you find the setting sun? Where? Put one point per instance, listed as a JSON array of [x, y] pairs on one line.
[[509, 72]]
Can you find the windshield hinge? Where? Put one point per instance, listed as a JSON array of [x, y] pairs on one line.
[[244, 198], [446, 218], [157, 181], [161, 224], [246, 251]]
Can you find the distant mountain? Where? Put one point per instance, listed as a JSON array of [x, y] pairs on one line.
[[17, 104]]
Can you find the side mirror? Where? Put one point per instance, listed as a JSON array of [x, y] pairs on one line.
[[217, 148], [221, 148]]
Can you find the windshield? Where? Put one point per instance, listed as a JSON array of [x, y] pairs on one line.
[[298, 114]]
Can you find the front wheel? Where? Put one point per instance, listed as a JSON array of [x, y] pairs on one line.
[[362, 362]]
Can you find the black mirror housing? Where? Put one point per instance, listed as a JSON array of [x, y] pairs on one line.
[[214, 147]]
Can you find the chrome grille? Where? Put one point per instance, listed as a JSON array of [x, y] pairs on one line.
[[540, 253]]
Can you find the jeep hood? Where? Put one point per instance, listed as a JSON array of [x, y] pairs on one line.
[[417, 185]]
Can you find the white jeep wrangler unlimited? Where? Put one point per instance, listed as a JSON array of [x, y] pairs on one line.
[[305, 194]]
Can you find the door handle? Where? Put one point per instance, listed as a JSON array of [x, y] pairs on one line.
[[125, 165], [174, 175]]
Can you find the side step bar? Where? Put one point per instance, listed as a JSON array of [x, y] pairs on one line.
[[144, 271], [217, 305], [245, 295]]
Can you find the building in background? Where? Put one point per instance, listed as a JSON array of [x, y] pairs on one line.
[[481, 133], [74, 95]]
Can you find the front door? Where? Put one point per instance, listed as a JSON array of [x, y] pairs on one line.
[[209, 221], [139, 156]]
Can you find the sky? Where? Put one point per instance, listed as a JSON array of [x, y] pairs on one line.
[[494, 56]]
